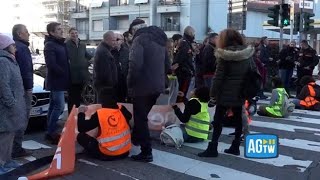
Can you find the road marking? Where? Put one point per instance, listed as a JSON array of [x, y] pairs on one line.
[[294, 143], [197, 168], [282, 127], [297, 119], [88, 162], [280, 161], [33, 145], [30, 158]]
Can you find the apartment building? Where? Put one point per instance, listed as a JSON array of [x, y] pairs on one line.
[[171, 15]]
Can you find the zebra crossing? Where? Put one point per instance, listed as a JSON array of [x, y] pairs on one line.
[[296, 154]]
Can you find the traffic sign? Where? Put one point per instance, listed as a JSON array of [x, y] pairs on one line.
[[307, 4]]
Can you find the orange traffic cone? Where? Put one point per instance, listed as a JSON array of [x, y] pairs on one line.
[[64, 159]]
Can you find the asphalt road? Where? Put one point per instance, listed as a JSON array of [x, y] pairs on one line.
[[298, 160]]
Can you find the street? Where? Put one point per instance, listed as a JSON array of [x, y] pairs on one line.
[[299, 156]]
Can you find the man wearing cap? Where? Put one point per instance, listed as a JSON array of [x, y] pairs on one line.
[[148, 62]]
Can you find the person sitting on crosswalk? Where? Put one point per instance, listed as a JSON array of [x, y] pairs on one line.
[[280, 106], [309, 97], [113, 140], [195, 116]]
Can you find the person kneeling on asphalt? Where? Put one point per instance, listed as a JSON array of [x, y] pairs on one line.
[[309, 97], [114, 138], [280, 106], [195, 116]]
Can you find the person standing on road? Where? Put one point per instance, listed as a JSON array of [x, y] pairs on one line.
[[79, 64], [105, 71], [209, 60], [233, 62], [184, 61], [58, 77], [12, 102], [265, 58], [23, 56], [307, 60], [288, 57], [148, 63]]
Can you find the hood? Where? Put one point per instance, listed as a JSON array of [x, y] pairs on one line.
[[53, 39], [4, 53], [235, 53], [155, 33]]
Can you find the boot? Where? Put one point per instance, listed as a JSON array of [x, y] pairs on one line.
[[234, 148], [211, 150]]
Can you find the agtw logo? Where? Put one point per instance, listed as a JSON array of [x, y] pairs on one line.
[[261, 146]]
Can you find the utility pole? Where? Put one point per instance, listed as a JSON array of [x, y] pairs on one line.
[[301, 33], [291, 19], [281, 26]]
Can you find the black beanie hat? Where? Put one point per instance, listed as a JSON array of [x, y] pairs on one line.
[[135, 22]]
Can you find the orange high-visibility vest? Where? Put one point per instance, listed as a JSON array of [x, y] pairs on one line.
[[115, 137], [310, 100]]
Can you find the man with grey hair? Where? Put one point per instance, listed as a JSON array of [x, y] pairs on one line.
[[105, 73], [148, 63], [23, 56]]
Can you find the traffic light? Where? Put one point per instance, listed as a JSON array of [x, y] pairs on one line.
[[274, 14], [285, 15], [296, 27], [307, 21]]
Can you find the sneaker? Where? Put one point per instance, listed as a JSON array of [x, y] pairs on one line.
[[21, 153], [11, 164], [142, 157], [53, 138]]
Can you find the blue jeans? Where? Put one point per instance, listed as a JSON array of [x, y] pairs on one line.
[[285, 75], [296, 102], [208, 81], [56, 108]]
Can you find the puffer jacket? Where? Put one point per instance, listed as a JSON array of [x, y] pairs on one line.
[[12, 102], [232, 66]]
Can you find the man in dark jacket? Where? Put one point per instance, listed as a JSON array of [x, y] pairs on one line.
[[79, 64], [208, 59], [105, 71], [287, 57], [307, 60], [146, 80], [58, 77], [23, 56], [184, 59]]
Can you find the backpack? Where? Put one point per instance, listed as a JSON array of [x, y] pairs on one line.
[[252, 83], [172, 136]]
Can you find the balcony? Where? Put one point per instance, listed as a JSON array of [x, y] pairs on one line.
[[170, 27], [169, 6], [80, 15], [129, 9]]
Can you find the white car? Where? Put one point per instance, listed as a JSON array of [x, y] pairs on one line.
[[40, 99]]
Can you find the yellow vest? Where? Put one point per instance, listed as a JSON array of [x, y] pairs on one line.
[[198, 125]]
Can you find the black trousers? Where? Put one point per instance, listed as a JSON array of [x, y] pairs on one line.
[[300, 73], [141, 108], [184, 83], [74, 95], [91, 145], [219, 117]]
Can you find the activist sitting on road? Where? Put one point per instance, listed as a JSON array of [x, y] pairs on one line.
[[233, 63], [12, 102], [114, 138], [195, 116], [309, 96], [280, 106]]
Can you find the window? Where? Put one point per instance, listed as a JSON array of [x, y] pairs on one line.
[[97, 25], [123, 2], [123, 23], [82, 26], [170, 22]]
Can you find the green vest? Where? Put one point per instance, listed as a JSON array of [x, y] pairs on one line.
[[276, 109], [198, 125]]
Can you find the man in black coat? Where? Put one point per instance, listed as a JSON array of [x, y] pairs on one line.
[[307, 60], [208, 59], [146, 80], [58, 76], [184, 59], [105, 71]]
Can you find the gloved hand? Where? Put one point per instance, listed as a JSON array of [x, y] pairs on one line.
[[175, 107], [212, 102]]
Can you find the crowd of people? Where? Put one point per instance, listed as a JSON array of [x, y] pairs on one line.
[[136, 67]]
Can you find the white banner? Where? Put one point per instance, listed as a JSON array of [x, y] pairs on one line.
[[307, 4]]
